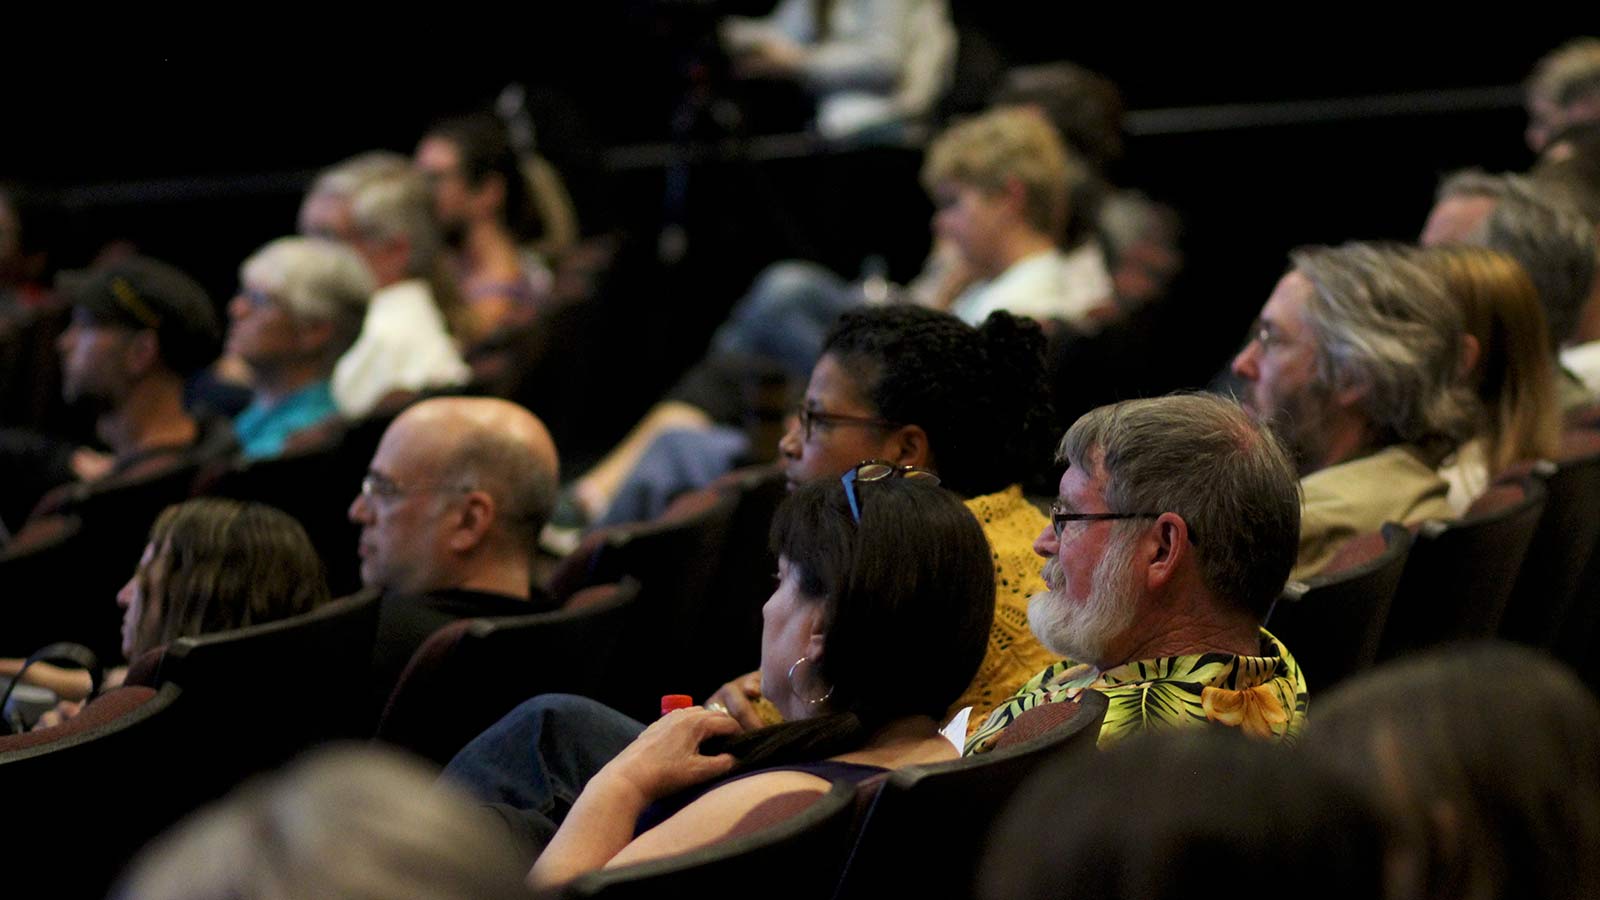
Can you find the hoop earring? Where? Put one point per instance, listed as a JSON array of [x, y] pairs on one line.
[[807, 700]]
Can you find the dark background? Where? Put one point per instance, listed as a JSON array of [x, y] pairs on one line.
[[197, 150]]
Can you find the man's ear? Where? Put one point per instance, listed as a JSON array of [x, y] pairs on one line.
[[1164, 549], [473, 522], [908, 446], [1348, 395], [1470, 353]]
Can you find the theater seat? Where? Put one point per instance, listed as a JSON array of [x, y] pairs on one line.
[[1459, 575], [1333, 621], [923, 834], [473, 671]]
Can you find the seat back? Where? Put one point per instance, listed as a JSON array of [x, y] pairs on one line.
[[316, 487], [473, 671], [91, 793], [1568, 532], [797, 858], [1333, 622], [47, 594], [1459, 575], [267, 692], [927, 824], [675, 560]]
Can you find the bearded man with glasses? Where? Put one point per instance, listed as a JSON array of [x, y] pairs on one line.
[[1173, 534]]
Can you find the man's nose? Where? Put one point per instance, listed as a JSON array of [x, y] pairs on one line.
[[1046, 544]]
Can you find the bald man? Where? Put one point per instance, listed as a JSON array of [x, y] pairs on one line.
[[450, 514]]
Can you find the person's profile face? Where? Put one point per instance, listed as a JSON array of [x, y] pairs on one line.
[[141, 599], [1282, 389], [439, 162], [842, 431], [401, 511], [971, 219], [94, 364]]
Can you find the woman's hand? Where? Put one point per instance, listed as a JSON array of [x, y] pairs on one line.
[[666, 757], [737, 698]]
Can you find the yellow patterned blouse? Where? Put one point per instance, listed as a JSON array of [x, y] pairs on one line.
[[1014, 655], [1264, 696]]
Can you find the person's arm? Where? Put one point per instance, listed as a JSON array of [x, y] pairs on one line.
[[68, 684], [738, 806], [663, 760]]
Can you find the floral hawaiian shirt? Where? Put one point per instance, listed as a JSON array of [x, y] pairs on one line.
[[1264, 696]]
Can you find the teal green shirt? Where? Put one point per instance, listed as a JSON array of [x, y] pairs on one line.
[[262, 430]]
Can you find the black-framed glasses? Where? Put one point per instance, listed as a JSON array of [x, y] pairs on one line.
[[879, 470], [810, 417], [1060, 516]]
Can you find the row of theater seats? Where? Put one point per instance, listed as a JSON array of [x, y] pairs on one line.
[[1523, 564], [213, 710]]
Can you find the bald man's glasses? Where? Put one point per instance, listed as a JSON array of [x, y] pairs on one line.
[[377, 486]]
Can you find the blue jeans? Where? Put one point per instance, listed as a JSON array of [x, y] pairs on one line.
[[787, 314], [532, 764]]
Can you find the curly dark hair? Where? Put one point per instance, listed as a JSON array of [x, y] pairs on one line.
[[980, 394]]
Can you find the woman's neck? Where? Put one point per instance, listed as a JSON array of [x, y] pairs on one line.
[[907, 741]]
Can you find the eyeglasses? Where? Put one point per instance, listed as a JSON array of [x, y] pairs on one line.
[[377, 486], [809, 417], [1268, 336], [879, 470], [1060, 516]]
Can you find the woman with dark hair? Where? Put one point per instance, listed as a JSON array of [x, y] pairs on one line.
[[858, 560], [211, 565], [1486, 759], [921, 388], [503, 213]]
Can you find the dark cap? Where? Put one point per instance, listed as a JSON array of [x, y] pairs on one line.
[[138, 292]]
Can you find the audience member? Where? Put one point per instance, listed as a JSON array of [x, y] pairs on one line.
[[874, 65], [382, 209], [299, 308], [1175, 816], [210, 565], [919, 388], [450, 514], [847, 578], [1563, 91], [347, 823], [1172, 536], [1541, 230], [1508, 365], [491, 216], [1001, 182], [1495, 793], [139, 328], [1354, 361]]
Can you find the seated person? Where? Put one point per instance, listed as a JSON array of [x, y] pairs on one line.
[[348, 822], [1244, 812], [491, 213], [210, 565], [1492, 793], [1001, 184], [382, 209], [1555, 244], [450, 513], [881, 552], [920, 388], [1355, 362], [139, 329], [300, 305], [1171, 538], [1509, 367]]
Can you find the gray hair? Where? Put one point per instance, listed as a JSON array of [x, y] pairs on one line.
[[394, 204], [524, 491], [1567, 74], [1554, 242], [345, 823], [1202, 457], [1384, 323], [317, 279]]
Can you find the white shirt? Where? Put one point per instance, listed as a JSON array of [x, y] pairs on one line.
[[1583, 361], [1047, 285], [404, 346]]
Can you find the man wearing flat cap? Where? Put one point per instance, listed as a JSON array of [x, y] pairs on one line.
[[139, 328]]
